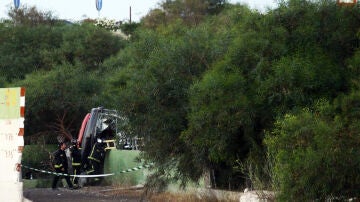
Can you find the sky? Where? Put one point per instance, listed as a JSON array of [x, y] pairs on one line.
[[76, 10]]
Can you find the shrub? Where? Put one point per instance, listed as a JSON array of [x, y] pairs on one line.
[[37, 156], [314, 158]]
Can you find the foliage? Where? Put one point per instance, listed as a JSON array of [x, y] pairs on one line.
[[301, 79], [309, 136], [152, 92], [309, 141], [129, 28], [353, 65], [37, 156], [190, 12], [67, 91], [59, 64], [30, 16], [89, 45], [214, 115], [24, 51], [202, 87]]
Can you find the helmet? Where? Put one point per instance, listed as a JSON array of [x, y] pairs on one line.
[[74, 141], [60, 144]]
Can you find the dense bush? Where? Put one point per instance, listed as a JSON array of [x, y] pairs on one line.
[[315, 154], [37, 156]]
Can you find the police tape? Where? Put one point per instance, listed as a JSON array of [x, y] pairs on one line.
[[88, 176], [136, 168]]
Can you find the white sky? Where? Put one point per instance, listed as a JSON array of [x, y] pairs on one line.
[[111, 9]]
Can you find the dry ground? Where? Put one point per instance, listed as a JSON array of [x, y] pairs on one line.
[[111, 194], [85, 194]]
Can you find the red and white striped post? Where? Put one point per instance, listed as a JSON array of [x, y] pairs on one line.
[[12, 116], [22, 119]]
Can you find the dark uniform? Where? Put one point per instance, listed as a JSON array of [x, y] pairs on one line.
[[61, 166], [96, 159], [76, 163]]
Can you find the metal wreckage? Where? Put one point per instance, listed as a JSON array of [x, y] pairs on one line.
[[99, 133]]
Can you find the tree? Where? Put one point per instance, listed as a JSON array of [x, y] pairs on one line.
[[89, 45], [151, 90], [31, 16], [56, 63], [220, 122], [301, 79], [65, 93], [308, 141], [190, 12], [129, 28], [154, 18], [282, 69], [24, 51]]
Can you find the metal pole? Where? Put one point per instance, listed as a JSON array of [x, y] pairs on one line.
[[130, 14]]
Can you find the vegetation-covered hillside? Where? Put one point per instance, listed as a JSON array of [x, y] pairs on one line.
[[263, 100]]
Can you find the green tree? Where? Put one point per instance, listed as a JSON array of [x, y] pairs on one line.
[[89, 45], [190, 12], [129, 28], [29, 48], [26, 49], [66, 93], [300, 80], [31, 16], [309, 141], [324, 23], [151, 90], [220, 122], [284, 67]]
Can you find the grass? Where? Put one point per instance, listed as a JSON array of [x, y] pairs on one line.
[[37, 183]]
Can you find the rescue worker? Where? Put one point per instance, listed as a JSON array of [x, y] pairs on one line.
[[61, 166], [96, 159], [75, 161]]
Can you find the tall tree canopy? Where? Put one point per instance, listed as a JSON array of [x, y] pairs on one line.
[[209, 110], [204, 89], [60, 65]]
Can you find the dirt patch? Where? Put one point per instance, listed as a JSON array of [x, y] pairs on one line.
[[85, 194], [112, 194]]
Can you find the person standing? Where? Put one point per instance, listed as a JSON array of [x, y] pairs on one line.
[[75, 162], [96, 159], [61, 166]]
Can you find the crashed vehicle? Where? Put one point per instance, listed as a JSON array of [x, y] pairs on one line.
[[100, 125]]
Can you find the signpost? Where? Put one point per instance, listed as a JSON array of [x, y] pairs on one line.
[[16, 3], [12, 108], [98, 5]]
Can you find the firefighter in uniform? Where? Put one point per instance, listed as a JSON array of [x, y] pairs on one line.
[[61, 166], [96, 159], [75, 161]]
